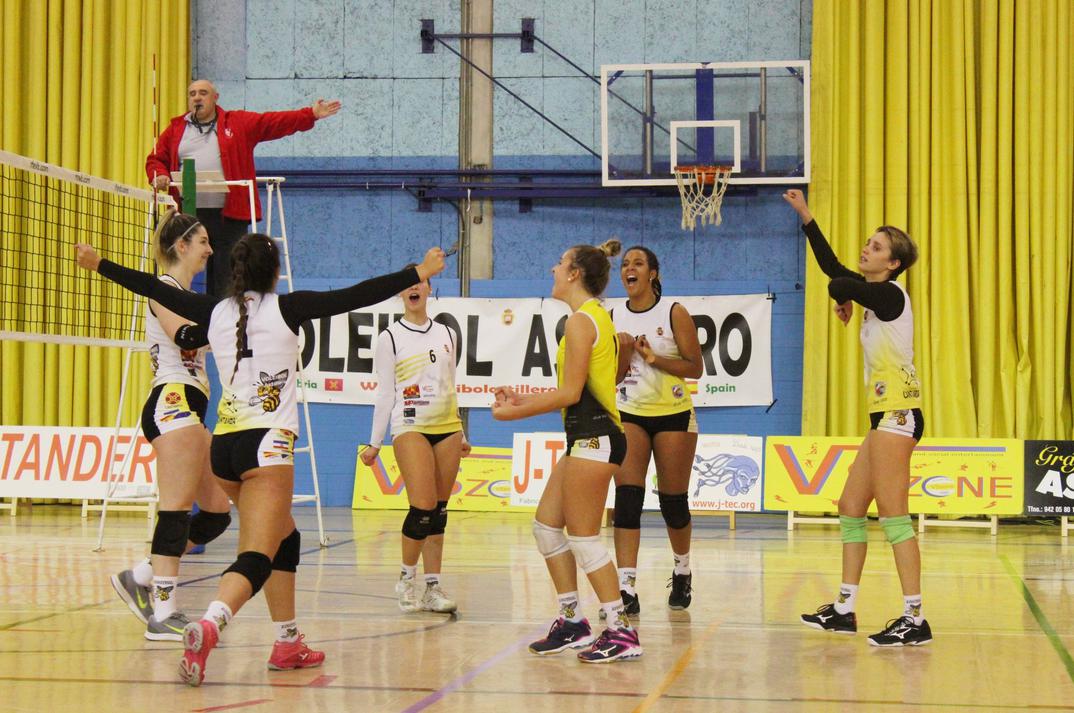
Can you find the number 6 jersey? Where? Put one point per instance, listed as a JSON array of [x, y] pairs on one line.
[[415, 368]]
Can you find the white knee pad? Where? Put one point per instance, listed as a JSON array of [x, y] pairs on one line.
[[589, 552], [550, 540]]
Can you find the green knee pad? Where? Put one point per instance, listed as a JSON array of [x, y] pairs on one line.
[[853, 529], [898, 529]]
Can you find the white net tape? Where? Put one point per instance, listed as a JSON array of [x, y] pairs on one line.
[[696, 202]]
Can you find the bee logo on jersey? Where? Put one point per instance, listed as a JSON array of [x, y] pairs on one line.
[[268, 390], [411, 391], [676, 391], [880, 388], [154, 352]]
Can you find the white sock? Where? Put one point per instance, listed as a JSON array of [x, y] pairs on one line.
[[616, 615], [568, 607], [844, 602], [682, 563], [164, 597], [912, 608], [143, 572], [408, 571], [219, 613], [628, 576], [286, 631], [432, 579]]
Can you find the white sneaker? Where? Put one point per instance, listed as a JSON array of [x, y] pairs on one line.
[[435, 600], [408, 598]]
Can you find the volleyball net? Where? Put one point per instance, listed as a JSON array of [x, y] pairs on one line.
[[44, 295]]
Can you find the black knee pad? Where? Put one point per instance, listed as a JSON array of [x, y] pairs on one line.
[[675, 509], [255, 566], [286, 559], [207, 526], [418, 523], [440, 521], [170, 534], [629, 500]]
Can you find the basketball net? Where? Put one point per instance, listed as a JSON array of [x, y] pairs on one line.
[[701, 189]]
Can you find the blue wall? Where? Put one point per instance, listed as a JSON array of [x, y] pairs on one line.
[[401, 111]]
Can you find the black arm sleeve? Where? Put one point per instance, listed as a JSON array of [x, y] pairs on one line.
[[827, 260], [885, 299], [297, 307], [191, 336], [190, 305]]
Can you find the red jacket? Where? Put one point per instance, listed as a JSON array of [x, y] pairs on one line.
[[238, 132]]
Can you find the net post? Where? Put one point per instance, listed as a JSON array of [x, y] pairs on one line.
[[190, 187]]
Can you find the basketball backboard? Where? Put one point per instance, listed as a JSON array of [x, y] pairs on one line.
[[750, 115]]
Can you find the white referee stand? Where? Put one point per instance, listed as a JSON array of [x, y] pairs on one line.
[[149, 501], [991, 524]]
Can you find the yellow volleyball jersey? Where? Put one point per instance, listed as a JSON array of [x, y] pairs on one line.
[[889, 360], [595, 414], [646, 390]]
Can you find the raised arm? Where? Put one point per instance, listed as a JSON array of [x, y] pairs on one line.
[[197, 308], [822, 251], [298, 307], [885, 299]]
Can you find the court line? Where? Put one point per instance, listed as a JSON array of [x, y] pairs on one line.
[[231, 706], [1042, 620], [677, 669], [470, 675]]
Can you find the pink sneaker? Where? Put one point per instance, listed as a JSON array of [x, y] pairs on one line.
[[291, 655], [199, 638]]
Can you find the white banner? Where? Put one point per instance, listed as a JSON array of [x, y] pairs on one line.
[[73, 463], [726, 473], [513, 342]]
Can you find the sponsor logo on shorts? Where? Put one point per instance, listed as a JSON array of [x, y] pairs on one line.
[[172, 398]]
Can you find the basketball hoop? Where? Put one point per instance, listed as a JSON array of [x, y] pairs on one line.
[[696, 203]]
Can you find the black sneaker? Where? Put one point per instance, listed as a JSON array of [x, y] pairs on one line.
[[828, 619], [564, 634], [681, 588], [903, 632]]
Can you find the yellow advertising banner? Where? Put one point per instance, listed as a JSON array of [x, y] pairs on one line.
[[484, 483], [948, 476]]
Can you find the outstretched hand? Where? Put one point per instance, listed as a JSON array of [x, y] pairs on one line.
[[432, 265], [87, 257], [323, 109], [797, 200], [844, 311]]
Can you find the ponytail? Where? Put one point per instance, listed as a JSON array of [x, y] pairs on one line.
[[593, 262], [255, 264], [173, 228]]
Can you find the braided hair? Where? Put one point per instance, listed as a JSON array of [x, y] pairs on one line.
[[173, 228], [255, 265]]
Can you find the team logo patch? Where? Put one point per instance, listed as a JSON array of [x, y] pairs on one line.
[[172, 398], [268, 390], [659, 331], [677, 391], [411, 391], [880, 388]]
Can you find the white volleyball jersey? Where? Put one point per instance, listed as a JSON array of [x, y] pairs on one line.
[[889, 360], [262, 393], [170, 364], [646, 390], [416, 379]]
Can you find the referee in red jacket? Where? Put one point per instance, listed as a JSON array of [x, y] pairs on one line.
[[222, 140]]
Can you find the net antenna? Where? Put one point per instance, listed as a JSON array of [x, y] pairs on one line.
[[701, 189]]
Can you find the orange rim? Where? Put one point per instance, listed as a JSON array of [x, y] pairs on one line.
[[701, 173]]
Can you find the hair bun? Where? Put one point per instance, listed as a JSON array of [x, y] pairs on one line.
[[611, 247]]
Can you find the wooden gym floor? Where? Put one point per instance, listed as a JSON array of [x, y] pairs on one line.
[[1001, 611]]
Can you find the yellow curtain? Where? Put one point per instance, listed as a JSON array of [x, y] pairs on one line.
[[951, 119], [76, 79]]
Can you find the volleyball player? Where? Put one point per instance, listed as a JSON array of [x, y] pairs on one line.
[[881, 470], [415, 363], [658, 418], [577, 488], [173, 421], [254, 337]]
